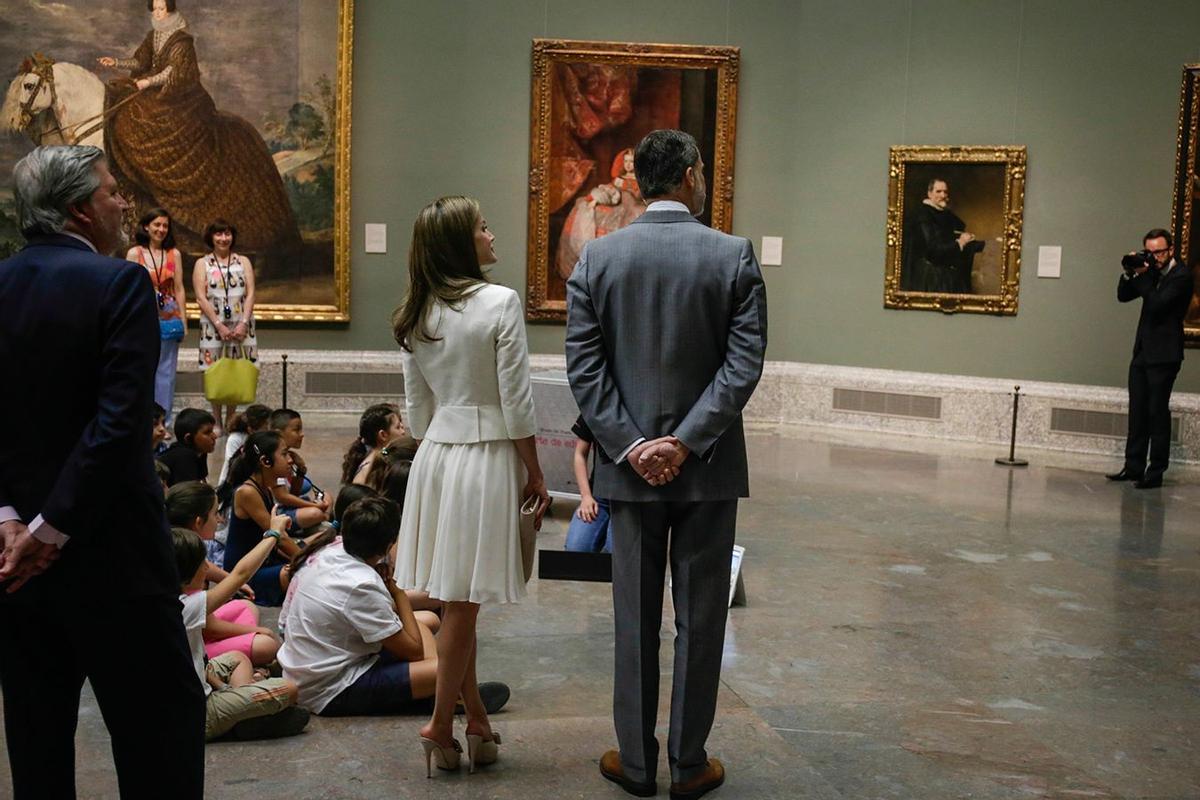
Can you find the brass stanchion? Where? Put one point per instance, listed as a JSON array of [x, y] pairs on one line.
[[1012, 461], [285, 403]]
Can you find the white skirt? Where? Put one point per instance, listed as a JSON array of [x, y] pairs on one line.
[[460, 533]]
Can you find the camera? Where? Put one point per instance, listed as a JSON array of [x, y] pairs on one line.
[[1137, 261]]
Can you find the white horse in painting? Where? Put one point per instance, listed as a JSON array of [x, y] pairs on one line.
[[58, 110]]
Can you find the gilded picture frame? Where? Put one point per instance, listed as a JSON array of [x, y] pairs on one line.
[[934, 260], [221, 109], [1186, 198], [591, 103]]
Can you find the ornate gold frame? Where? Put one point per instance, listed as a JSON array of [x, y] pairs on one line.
[[340, 311], [725, 60], [1187, 188], [1004, 303]]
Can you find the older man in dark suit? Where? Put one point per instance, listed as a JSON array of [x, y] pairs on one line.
[[90, 585], [666, 335]]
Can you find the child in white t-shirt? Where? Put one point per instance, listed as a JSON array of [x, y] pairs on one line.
[[239, 700], [353, 643]]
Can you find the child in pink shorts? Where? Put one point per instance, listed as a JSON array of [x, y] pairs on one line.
[[232, 626]]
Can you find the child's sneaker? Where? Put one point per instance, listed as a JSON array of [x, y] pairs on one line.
[[288, 722]]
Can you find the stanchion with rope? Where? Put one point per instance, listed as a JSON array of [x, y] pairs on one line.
[[1012, 460]]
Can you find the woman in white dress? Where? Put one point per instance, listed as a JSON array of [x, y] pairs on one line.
[[224, 286], [470, 407]]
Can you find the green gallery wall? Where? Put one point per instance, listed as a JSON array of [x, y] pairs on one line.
[[1091, 87]]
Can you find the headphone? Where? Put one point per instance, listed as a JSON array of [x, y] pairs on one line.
[[267, 459]]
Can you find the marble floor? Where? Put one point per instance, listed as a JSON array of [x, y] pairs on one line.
[[920, 624]]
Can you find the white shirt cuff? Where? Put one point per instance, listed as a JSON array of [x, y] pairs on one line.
[[8, 514], [625, 453], [45, 532]]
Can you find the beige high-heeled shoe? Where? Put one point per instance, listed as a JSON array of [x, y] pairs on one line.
[[447, 758], [482, 751]]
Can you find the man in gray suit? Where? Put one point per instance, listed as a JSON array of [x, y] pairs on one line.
[[666, 334]]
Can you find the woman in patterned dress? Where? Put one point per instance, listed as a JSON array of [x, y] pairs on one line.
[[224, 286], [156, 251]]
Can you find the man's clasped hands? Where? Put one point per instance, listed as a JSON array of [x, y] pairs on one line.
[[658, 461]]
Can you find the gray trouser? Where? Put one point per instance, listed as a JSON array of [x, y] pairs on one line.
[[699, 549]]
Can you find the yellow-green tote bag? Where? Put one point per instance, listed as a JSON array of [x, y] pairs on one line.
[[231, 381]]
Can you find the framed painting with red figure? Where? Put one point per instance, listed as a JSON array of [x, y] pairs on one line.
[[592, 103]]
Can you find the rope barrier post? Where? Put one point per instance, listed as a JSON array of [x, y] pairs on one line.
[[1012, 461], [284, 404]]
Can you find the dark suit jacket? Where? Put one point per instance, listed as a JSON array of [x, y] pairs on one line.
[[666, 334], [79, 344], [1159, 338]]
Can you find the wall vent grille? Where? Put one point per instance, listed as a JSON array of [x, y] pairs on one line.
[[372, 384], [1084, 422], [888, 404]]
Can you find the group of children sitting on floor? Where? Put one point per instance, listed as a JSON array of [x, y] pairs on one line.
[[349, 641]]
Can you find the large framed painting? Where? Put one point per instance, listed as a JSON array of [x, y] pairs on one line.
[[954, 228], [592, 103], [1184, 217], [214, 109]]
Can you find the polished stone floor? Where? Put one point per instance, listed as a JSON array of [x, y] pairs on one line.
[[920, 624]]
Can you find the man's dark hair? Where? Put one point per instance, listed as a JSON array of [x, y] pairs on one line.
[[661, 159], [188, 422], [369, 527], [170, 6], [190, 552], [282, 417], [932, 181], [1158, 233]]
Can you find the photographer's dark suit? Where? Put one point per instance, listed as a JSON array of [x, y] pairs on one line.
[[79, 341], [1157, 355]]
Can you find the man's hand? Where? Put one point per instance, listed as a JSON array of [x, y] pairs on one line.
[[658, 461], [964, 239], [23, 556]]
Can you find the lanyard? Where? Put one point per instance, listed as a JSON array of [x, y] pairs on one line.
[[225, 278], [162, 302]]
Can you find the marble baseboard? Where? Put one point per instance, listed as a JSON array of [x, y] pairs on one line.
[[969, 409]]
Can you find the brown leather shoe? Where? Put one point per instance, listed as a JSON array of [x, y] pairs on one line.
[[712, 777], [610, 767]]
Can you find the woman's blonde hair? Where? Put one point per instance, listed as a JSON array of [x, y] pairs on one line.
[[442, 265]]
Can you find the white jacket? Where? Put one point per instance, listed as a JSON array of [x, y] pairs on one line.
[[472, 385]]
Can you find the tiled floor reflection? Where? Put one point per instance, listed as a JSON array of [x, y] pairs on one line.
[[920, 625]]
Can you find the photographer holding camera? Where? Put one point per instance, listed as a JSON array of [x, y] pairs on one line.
[[1165, 287]]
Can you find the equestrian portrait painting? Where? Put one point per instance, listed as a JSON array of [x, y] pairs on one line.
[[216, 109]]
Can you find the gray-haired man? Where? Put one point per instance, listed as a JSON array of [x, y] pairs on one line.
[[666, 335], [90, 589]]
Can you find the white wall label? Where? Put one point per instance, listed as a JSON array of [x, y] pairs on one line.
[[772, 251], [376, 237], [1049, 261]]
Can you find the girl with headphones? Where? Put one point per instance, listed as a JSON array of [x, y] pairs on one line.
[[254, 471]]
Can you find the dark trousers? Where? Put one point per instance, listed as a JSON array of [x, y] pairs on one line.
[[383, 689], [696, 539], [1149, 416], [46, 652]]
